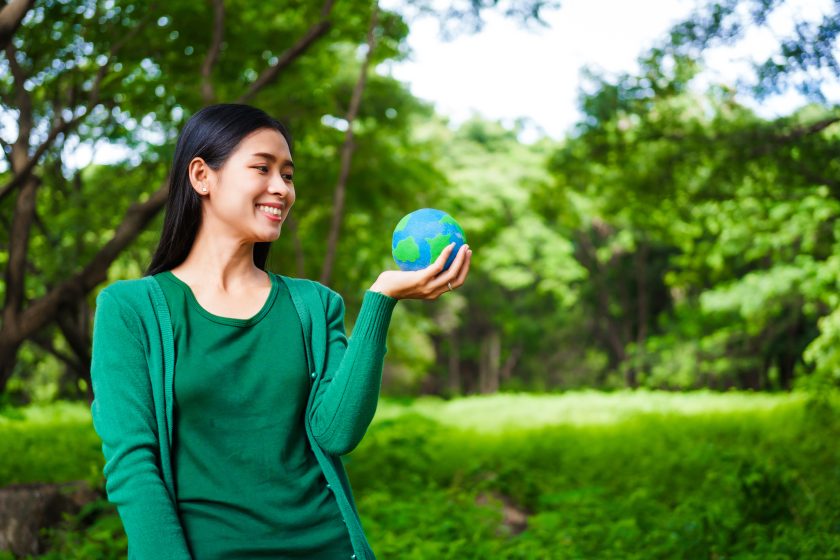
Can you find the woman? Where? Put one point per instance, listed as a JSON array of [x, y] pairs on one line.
[[225, 394]]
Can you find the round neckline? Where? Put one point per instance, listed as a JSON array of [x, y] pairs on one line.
[[232, 321]]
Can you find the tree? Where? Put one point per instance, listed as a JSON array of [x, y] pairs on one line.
[[128, 74], [727, 198], [81, 72]]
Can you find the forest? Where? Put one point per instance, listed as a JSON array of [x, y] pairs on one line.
[[643, 363]]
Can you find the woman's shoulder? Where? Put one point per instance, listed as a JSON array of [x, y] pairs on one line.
[[308, 288], [133, 293], [127, 288]]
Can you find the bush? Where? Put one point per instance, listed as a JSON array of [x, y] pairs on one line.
[[635, 476]]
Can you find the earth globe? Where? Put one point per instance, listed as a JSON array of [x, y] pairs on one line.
[[422, 235]]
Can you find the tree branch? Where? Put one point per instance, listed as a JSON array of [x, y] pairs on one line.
[[291, 54], [7, 151], [11, 16], [347, 149], [45, 343], [207, 93], [18, 247], [76, 333], [802, 131], [43, 309], [24, 103], [20, 175]]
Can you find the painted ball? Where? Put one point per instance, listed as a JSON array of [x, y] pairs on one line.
[[422, 235]]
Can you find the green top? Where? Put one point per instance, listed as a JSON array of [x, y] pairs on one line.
[[132, 370], [247, 483]]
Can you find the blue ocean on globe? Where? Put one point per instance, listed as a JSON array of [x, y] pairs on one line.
[[422, 235]]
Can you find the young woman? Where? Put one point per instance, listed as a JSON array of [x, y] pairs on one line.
[[225, 394]]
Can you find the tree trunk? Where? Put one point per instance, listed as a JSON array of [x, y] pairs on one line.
[[511, 362], [27, 509], [489, 363], [11, 333], [608, 329], [641, 257], [347, 149], [454, 380], [494, 360], [74, 322]]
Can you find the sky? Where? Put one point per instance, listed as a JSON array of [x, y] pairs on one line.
[[507, 72]]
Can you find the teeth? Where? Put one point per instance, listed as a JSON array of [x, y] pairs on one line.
[[270, 209]]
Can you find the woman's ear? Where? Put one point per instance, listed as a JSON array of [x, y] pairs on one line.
[[199, 174]]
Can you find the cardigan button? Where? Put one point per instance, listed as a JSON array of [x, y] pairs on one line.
[[353, 557], [313, 375], [329, 486]]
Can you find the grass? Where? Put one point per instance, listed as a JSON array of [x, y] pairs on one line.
[[593, 475], [500, 412]]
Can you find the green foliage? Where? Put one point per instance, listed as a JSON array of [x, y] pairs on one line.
[[634, 475], [709, 234], [50, 443], [152, 85], [523, 278], [723, 478], [674, 240], [95, 533]]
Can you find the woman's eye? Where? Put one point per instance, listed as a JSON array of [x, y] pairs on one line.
[[287, 177], [263, 168]]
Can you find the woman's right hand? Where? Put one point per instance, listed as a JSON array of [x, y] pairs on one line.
[[428, 283]]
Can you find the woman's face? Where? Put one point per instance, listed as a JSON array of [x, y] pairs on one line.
[[252, 193]]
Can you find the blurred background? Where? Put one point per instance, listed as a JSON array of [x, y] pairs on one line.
[[645, 358]]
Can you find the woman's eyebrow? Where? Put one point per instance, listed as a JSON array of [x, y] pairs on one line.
[[272, 158]]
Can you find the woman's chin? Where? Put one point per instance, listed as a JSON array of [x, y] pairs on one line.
[[269, 237]]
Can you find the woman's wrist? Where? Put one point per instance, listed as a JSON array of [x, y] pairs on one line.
[[381, 289]]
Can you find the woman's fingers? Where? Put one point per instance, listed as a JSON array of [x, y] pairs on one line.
[[462, 273], [436, 267], [452, 274]]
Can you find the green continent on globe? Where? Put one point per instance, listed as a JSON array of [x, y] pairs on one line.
[[407, 250], [437, 244], [403, 223], [449, 220]]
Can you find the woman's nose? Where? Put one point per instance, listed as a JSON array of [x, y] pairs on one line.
[[278, 185]]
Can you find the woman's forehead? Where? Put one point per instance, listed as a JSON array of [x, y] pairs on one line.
[[265, 141]]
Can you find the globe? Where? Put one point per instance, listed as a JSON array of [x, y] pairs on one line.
[[422, 235]]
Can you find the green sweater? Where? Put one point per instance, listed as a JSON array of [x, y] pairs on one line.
[[247, 483], [133, 383]]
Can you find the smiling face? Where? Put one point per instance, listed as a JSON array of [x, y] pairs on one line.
[[252, 193]]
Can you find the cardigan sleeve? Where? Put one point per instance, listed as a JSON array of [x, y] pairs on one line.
[[347, 395], [124, 418]]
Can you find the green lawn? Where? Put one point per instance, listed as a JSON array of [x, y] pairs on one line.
[[580, 475]]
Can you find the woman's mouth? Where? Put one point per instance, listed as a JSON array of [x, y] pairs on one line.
[[270, 212]]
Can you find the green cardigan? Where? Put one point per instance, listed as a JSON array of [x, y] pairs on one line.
[[132, 372]]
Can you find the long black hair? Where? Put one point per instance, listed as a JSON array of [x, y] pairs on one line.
[[212, 134]]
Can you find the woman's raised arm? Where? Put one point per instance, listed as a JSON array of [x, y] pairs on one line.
[[349, 392]]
